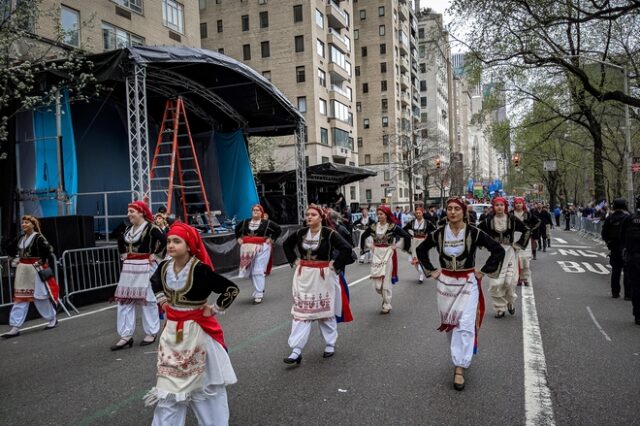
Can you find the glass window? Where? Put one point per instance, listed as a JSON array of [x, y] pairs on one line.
[[387, 175], [298, 42], [324, 136], [356, 34], [221, 50], [341, 138], [381, 30], [173, 15], [385, 157], [420, 32], [203, 30], [363, 14], [364, 51], [302, 104], [246, 52], [300, 76], [365, 87], [423, 85], [267, 75], [70, 23], [322, 78], [219, 25], [423, 101], [381, 11], [385, 121], [368, 195], [385, 140], [325, 160], [357, 71], [264, 19], [352, 192], [117, 38], [383, 67], [384, 104], [367, 159], [359, 142], [365, 123], [319, 19], [383, 85], [297, 13], [383, 48], [320, 48], [358, 106], [322, 106], [265, 49], [423, 67], [134, 5], [245, 22], [339, 111]]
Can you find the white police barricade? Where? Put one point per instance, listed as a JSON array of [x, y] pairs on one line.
[[90, 269]]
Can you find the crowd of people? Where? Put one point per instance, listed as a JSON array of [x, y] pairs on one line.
[[166, 268]]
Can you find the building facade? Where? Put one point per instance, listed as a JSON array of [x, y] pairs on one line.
[[387, 99]]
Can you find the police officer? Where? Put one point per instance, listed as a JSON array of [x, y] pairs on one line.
[[630, 233], [611, 235]]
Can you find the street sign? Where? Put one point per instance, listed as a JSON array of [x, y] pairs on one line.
[[384, 185], [549, 165]]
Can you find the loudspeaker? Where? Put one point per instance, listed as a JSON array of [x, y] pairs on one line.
[[68, 232]]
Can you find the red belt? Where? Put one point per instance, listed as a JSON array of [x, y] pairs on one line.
[[254, 240], [419, 237], [208, 324], [138, 256], [318, 264], [29, 260], [381, 245], [457, 274]]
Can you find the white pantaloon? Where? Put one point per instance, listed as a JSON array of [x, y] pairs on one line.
[[258, 269], [213, 411], [300, 331], [462, 337], [19, 311], [384, 286], [524, 260], [126, 322], [503, 288]]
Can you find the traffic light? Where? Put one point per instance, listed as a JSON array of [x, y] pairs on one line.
[[437, 163], [516, 160]]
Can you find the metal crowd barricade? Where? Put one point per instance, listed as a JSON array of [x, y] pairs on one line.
[[90, 269], [6, 282], [101, 198]]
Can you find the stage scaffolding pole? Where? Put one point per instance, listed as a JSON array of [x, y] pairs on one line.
[[138, 132], [301, 172]]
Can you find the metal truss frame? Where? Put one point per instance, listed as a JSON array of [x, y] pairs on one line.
[[138, 131], [301, 171]]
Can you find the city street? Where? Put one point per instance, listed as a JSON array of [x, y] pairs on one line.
[[388, 369]]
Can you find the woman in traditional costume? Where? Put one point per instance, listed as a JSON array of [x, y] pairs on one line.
[[141, 247], [460, 300], [256, 237], [318, 254], [193, 365], [33, 253], [361, 225], [418, 228], [502, 228], [384, 266], [521, 212]]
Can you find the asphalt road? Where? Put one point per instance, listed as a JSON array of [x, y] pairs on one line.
[[388, 369]]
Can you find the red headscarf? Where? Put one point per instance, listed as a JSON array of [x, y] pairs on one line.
[[419, 208], [317, 208], [260, 207], [191, 236], [517, 200], [459, 202], [387, 212], [143, 208], [501, 200]]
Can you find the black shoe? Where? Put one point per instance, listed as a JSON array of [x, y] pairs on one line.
[[291, 361], [544, 249], [151, 342], [117, 347], [9, 336], [511, 308], [627, 298], [499, 315], [637, 322], [615, 296], [51, 327], [326, 354], [458, 386], [526, 283]]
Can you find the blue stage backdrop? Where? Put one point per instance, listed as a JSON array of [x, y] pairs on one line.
[[46, 160], [236, 179]]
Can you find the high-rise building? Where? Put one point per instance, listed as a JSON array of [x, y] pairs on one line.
[[305, 49], [387, 98], [101, 25]]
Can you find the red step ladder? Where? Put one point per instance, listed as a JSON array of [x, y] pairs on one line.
[[175, 152]]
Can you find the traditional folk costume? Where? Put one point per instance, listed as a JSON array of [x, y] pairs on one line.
[[524, 256], [256, 251], [384, 266], [318, 293], [460, 299], [419, 230], [32, 250], [141, 249], [193, 365], [502, 229], [360, 226]]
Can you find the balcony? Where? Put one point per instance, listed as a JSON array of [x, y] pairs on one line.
[[337, 17], [340, 95], [405, 98], [341, 152], [404, 63], [338, 73], [404, 82], [404, 43], [338, 40], [402, 11]]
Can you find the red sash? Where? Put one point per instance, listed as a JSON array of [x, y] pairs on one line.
[[319, 264], [260, 240], [138, 256], [208, 324], [29, 260], [51, 285]]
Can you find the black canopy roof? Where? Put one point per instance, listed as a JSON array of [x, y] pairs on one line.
[[331, 173], [220, 92]]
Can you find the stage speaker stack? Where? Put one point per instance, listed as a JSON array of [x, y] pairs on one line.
[[68, 232]]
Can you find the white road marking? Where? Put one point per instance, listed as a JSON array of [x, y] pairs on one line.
[[595, 321], [537, 395], [359, 280], [572, 246], [84, 314], [560, 240]]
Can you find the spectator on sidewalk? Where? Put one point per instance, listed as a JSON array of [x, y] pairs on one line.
[[630, 233], [611, 235], [556, 214]]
